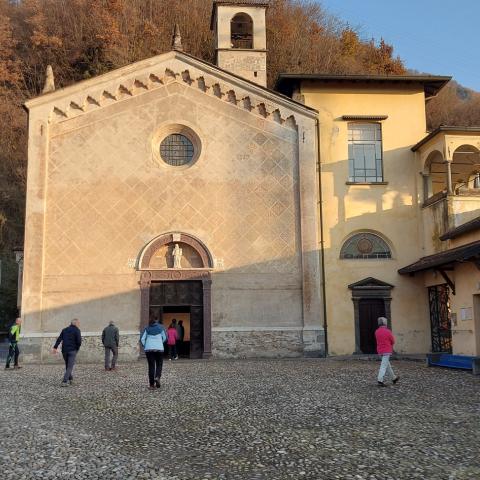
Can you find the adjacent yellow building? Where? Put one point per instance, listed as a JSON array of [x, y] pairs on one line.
[[389, 198]]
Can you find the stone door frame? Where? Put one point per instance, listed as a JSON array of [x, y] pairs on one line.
[[366, 289], [146, 279], [176, 275]]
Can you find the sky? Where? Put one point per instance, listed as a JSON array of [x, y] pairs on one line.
[[432, 36]]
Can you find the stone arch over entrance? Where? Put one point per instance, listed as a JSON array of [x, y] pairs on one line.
[[158, 267], [147, 255]]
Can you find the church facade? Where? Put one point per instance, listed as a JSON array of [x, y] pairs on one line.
[[173, 188]]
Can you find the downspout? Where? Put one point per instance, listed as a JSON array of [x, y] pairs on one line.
[[322, 253]]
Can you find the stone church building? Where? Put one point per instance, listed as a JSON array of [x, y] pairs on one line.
[[174, 151], [174, 188]]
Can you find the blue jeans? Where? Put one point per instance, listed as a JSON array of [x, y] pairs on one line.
[[172, 349]]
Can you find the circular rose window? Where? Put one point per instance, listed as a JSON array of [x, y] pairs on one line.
[[177, 150], [176, 146]]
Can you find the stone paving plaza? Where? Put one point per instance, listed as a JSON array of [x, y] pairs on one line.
[[270, 419]]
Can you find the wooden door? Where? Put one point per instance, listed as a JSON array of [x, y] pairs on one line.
[[369, 310], [196, 332], [180, 296]]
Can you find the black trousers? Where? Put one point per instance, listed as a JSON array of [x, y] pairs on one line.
[[172, 349], [13, 353], [155, 364]]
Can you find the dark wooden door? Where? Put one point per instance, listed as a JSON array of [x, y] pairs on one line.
[[370, 309], [196, 332]]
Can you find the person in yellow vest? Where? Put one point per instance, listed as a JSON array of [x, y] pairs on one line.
[[13, 337]]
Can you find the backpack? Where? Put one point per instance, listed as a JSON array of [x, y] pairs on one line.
[[12, 336]]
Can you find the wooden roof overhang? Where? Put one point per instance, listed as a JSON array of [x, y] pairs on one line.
[[444, 261]]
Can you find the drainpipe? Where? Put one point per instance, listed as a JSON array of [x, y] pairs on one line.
[[322, 253]]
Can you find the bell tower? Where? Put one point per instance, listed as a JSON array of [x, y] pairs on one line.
[[241, 37]]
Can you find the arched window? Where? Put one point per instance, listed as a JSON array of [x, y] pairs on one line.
[[365, 245], [242, 31]]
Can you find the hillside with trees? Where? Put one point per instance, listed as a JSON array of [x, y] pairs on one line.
[[85, 38]]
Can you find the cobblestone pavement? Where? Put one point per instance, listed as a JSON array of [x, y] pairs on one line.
[[278, 419]]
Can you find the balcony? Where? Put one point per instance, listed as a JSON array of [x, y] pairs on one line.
[[452, 211], [450, 161]]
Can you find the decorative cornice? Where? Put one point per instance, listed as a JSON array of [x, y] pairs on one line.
[[364, 117], [157, 73]]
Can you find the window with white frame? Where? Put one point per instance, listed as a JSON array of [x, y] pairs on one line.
[[365, 153]]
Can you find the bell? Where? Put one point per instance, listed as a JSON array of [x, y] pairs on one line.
[[476, 181]]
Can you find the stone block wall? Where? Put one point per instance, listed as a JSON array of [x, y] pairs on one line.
[[38, 349], [261, 344]]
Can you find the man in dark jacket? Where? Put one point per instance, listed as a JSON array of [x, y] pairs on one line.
[[110, 340], [71, 339]]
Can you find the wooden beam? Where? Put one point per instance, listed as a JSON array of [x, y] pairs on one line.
[[476, 261], [447, 279]]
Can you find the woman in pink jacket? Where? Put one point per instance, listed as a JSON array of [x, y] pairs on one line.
[[172, 337], [385, 341]]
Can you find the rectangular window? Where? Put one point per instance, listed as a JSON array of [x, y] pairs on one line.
[[365, 152]]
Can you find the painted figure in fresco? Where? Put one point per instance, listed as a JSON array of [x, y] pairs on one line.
[[177, 256]]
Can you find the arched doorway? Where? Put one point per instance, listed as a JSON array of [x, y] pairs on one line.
[[371, 299], [176, 283]]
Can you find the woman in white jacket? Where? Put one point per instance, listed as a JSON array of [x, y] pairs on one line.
[[152, 340]]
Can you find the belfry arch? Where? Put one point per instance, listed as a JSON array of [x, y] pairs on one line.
[[241, 31], [176, 270]]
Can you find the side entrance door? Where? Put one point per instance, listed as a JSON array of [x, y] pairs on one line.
[[369, 311]]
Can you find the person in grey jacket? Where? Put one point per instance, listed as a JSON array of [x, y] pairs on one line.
[[111, 340]]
